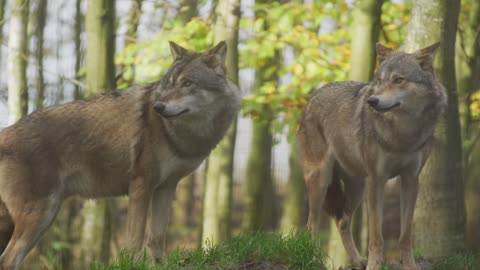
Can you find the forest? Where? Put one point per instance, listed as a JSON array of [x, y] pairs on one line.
[[58, 51]]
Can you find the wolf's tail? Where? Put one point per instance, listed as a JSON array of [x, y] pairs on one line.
[[6, 226], [334, 203]]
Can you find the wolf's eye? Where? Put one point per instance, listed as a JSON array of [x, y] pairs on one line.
[[186, 83], [398, 80]]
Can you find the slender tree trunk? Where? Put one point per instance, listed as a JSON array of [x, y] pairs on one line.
[[440, 213], [128, 73], [365, 34], [78, 29], [469, 82], [187, 9], [259, 194], [2, 17], [294, 206], [100, 28], [17, 61], [40, 20], [217, 198], [100, 77]]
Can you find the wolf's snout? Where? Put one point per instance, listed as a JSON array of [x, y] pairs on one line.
[[159, 107], [373, 101]]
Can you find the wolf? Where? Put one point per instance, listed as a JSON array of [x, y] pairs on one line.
[[138, 142], [356, 135]]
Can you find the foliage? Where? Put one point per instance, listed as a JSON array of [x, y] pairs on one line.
[[295, 251], [151, 59]]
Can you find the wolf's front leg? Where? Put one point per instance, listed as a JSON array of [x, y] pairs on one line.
[[408, 198], [139, 197], [375, 210], [159, 214]]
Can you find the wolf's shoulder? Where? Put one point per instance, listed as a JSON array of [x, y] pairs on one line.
[[340, 89]]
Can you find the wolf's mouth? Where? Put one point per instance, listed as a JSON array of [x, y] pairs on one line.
[[378, 109], [166, 115]]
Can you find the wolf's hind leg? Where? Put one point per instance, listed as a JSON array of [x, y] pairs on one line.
[[354, 190], [30, 224], [6, 227], [318, 177]]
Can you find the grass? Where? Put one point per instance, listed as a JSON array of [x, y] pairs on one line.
[[458, 262], [293, 251]]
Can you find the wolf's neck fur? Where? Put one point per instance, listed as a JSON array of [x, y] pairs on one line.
[[403, 132], [196, 136]]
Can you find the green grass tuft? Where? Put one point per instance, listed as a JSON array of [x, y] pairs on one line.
[[294, 251], [458, 262]]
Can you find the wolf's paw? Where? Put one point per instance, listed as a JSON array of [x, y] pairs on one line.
[[374, 264], [359, 264], [411, 267]]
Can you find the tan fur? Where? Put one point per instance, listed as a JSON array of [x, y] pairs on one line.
[[140, 141], [357, 135]]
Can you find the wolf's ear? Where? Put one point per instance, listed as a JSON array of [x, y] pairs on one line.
[[177, 51], [383, 52], [219, 53], [426, 56], [215, 57]]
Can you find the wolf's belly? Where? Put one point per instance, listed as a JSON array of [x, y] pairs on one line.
[[88, 183]]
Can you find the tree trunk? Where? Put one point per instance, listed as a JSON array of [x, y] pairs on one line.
[[217, 198], [294, 205], [100, 77], [259, 186], [128, 73], [187, 9], [78, 29], [40, 20], [17, 61], [259, 194], [2, 17], [365, 34], [440, 213], [469, 83], [100, 28], [365, 31]]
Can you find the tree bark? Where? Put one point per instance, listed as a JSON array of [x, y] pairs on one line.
[[40, 20], [259, 194], [468, 68], [17, 61], [217, 198], [294, 205], [100, 28], [2, 17], [78, 29], [440, 213]]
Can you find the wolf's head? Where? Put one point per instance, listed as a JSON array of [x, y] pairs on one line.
[[194, 84], [405, 82]]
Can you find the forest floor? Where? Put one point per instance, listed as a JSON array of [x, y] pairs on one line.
[[263, 251]]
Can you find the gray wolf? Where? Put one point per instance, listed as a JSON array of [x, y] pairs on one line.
[[140, 141], [355, 135]]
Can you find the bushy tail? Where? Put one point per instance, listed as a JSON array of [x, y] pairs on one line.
[[6, 226], [334, 203]]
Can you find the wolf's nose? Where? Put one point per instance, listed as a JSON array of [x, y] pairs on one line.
[[373, 101], [159, 107]]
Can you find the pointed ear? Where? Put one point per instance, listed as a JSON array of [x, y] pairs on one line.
[[383, 52], [426, 56], [177, 51], [219, 53]]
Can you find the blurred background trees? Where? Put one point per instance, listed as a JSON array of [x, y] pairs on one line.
[[278, 52]]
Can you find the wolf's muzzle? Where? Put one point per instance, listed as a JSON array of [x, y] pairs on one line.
[[159, 107]]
